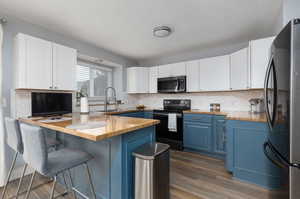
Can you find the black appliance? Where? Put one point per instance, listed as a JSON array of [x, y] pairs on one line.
[[163, 133], [47, 104], [171, 84], [282, 96]]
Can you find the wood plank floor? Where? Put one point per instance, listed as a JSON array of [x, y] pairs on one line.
[[193, 176]]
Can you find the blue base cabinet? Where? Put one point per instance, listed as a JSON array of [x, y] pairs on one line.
[[205, 133], [245, 157], [139, 114], [219, 145], [197, 136]]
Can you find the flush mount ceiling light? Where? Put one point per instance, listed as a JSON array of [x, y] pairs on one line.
[[162, 31]]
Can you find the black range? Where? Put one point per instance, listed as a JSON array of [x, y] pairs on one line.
[[164, 134]]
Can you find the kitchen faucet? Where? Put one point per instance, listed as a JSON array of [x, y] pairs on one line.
[[114, 96]]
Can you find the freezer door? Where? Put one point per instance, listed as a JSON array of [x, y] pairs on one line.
[[295, 111]]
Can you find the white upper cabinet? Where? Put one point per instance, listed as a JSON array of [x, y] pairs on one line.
[[40, 64], [239, 70], [214, 73], [178, 69], [153, 75], [64, 62], [33, 63], [138, 80], [172, 70], [164, 71], [193, 76], [259, 59]]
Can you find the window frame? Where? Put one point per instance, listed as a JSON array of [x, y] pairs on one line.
[[96, 67]]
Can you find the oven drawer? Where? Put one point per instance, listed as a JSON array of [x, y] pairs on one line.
[[202, 118]]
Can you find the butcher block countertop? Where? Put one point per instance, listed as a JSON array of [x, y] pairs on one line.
[[234, 115], [93, 126]]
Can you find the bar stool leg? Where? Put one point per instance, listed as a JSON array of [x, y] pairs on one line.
[[53, 188], [90, 180], [72, 185], [9, 174], [30, 185], [21, 179]]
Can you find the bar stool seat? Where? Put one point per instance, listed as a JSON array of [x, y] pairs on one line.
[[15, 142], [63, 159], [51, 164]]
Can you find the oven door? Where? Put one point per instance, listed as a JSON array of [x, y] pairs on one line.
[[164, 135]]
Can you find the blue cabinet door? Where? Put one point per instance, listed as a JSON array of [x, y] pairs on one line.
[[219, 140], [245, 156], [197, 136]]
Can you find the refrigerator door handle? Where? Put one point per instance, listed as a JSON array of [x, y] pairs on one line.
[[279, 164], [266, 91], [282, 161], [274, 113]]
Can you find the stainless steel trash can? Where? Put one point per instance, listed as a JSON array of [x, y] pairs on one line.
[[152, 171]]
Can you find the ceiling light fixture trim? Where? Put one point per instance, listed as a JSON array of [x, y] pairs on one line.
[[162, 31]]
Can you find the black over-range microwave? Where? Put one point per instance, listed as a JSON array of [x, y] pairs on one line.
[[171, 84]]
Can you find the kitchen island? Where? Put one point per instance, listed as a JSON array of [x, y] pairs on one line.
[[111, 140]]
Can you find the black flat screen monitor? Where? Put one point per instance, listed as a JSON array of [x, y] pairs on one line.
[[48, 104]]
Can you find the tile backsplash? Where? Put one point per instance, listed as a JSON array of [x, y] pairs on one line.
[[235, 100]]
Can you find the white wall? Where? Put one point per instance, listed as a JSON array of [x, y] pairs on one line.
[[291, 9], [231, 101]]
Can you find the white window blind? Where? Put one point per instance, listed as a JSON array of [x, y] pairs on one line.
[[92, 79]]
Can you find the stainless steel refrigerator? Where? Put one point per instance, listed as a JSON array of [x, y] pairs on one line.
[[282, 98]]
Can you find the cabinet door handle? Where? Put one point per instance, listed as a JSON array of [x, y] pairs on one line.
[[56, 87], [50, 87]]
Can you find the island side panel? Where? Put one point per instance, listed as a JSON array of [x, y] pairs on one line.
[[100, 166], [112, 168], [130, 142]]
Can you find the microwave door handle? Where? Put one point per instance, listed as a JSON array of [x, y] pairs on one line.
[[266, 92], [177, 85]]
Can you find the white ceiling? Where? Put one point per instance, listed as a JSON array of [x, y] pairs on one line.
[[125, 26]]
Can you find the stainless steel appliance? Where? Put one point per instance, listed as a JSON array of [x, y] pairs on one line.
[[282, 94], [163, 133], [152, 171], [171, 84]]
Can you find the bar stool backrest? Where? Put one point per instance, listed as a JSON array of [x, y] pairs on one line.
[[13, 134], [35, 147]]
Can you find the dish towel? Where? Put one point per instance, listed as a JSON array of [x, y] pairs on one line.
[[172, 122]]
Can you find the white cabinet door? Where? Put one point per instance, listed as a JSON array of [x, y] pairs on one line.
[[239, 70], [178, 69], [214, 74], [153, 75], [38, 63], [193, 76], [259, 58], [64, 62], [164, 71], [138, 80]]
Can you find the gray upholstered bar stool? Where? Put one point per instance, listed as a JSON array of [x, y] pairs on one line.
[[14, 140], [51, 164]]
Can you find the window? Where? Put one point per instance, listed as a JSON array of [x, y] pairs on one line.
[[92, 79]]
